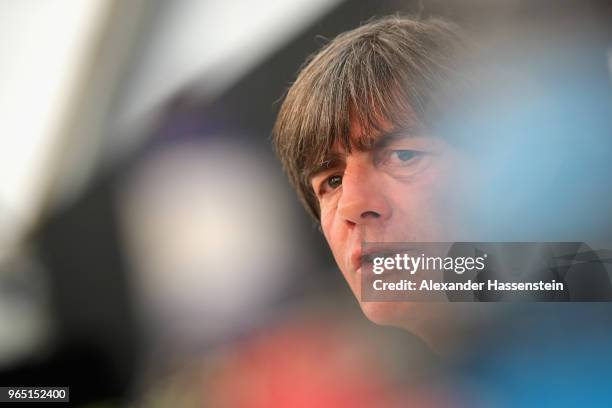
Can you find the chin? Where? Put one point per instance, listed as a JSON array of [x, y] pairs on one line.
[[387, 313]]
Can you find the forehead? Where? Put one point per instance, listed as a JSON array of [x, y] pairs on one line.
[[365, 139]]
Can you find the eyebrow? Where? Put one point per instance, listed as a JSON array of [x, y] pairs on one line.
[[387, 138], [332, 160]]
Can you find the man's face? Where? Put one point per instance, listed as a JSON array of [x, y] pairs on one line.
[[404, 189]]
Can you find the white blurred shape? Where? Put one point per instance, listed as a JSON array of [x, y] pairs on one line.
[[44, 47], [209, 236]]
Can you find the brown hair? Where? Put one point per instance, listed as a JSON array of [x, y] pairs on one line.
[[389, 69]]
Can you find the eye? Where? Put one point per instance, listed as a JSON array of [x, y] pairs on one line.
[[330, 183], [402, 157], [404, 162], [334, 181]]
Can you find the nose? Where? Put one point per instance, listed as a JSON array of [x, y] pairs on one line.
[[362, 198]]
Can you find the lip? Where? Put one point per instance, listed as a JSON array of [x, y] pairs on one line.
[[360, 257], [356, 259]]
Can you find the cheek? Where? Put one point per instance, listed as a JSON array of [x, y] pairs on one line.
[[413, 198], [328, 217], [424, 209], [446, 188], [331, 234], [334, 234]]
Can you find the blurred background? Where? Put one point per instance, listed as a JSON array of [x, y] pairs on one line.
[[152, 252]]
